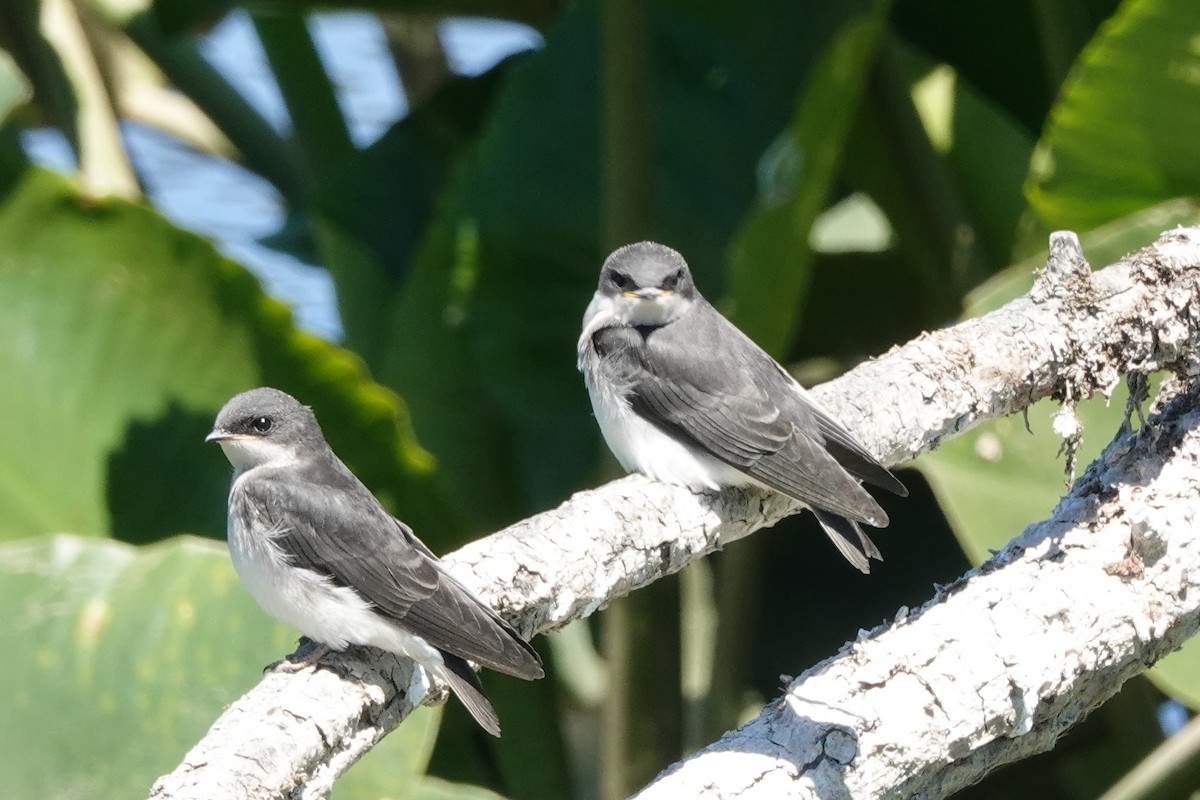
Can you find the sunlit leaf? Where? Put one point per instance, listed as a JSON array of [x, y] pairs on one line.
[[437, 789], [104, 644], [120, 338], [14, 89], [1122, 135]]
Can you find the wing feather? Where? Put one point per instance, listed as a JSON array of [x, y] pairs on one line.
[[748, 413], [358, 544]]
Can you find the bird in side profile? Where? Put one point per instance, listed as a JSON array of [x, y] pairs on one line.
[[683, 396], [318, 552]]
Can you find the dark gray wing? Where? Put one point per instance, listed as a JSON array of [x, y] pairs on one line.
[[704, 382], [356, 543], [842, 445]]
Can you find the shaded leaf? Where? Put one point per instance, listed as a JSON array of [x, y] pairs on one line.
[[395, 767], [369, 230], [769, 271], [178, 16]]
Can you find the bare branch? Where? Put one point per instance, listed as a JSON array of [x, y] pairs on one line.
[[1073, 335], [1002, 662]]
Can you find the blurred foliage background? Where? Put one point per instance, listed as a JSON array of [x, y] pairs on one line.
[[841, 176]]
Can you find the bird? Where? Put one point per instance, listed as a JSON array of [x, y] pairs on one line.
[[683, 396], [319, 553]]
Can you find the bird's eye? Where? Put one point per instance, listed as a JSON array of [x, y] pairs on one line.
[[261, 424], [621, 280], [672, 280]]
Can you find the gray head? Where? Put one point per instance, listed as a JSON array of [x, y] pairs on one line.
[[266, 425], [647, 284]]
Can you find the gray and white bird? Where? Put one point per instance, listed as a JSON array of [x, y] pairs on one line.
[[318, 552], [684, 397]]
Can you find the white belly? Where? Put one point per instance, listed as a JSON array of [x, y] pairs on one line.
[[641, 447], [638, 444], [326, 613]]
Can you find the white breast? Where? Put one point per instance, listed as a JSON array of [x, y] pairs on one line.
[[638, 445], [326, 613]]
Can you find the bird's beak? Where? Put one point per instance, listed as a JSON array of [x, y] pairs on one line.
[[224, 436], [649, 293]]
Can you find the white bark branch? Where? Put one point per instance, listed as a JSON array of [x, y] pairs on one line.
[[1002, 662], [1076, 333]]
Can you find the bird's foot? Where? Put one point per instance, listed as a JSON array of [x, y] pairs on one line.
[[306, 656]]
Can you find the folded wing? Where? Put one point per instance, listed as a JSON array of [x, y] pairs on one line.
[[704, 382], [401, 577]]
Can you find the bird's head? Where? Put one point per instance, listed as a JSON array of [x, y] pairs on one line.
[[265, 426], [647, 284]]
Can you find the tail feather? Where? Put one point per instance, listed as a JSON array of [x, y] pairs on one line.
[[848, 537], [467, 688]]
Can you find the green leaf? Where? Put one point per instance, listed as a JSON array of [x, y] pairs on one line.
[[986, 151], [998, 478], [771, 259], [395, 768], [14, 89], [106, 645], [1179, 675], [438, 789], [179, 16], [368, 231], [120, 338], [1122, 136]]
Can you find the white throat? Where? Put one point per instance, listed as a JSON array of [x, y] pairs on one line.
[[246, 454], [605, 310]]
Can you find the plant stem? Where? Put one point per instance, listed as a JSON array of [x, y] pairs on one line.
[[264, 150], [318, 127]]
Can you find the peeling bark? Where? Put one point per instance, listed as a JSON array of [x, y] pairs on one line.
[[1073, 335]]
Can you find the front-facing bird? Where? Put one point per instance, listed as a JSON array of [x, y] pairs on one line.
[[683, 396], [318, 552]]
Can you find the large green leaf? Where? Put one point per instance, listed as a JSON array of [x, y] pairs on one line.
[[177, 16], [368, 230], [986, 151], [117, 659], [395, 768], [120, 338], [1016, 53], [1123, 133]]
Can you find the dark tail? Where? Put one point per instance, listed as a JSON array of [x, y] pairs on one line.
[[467, 688], [849, 539]]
